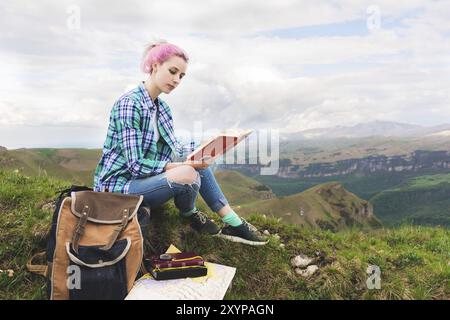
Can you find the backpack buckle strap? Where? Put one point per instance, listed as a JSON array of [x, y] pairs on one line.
[[79, 231], [118, 230]]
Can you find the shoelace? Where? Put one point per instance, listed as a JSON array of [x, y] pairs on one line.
[[202, 217], [249, 225]]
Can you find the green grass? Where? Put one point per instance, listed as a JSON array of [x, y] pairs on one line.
[[414, 261], [23, 228]]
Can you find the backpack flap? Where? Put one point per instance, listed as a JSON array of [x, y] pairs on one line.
[[103, 208]]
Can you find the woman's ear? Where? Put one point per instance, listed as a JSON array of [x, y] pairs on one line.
[[154, 67]]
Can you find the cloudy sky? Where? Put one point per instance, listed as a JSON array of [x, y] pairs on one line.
[[280, 64]]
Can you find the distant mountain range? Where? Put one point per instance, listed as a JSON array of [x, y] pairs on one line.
[[416, 161], [370, 129]]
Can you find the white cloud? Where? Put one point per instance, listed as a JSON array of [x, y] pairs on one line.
[[53, 76]]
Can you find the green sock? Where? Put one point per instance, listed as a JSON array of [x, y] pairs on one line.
[[189, 213], [232, 219]]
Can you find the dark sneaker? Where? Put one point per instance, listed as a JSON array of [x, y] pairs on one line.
[[244, 233], [201, 223]]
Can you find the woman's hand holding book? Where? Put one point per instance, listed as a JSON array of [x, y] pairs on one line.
[[196, 164]]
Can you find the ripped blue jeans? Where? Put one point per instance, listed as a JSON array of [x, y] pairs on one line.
[[158, 189]]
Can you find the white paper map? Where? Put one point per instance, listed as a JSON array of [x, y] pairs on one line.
[[213, 286]]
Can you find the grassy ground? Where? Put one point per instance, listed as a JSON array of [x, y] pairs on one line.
[[414, 261]]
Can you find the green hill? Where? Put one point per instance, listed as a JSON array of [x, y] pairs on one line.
[[388, 192], [240, 189], [76, 165], [422, 200], [414, 261], [328, 206]]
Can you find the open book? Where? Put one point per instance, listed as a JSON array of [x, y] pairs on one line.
[[218, 145]]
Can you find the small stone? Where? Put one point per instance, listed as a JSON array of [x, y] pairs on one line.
[[40, 234], [10, 273], [50, 206], [308, 271], [266, 232], [301, 261], [276, 236], [282, 245]]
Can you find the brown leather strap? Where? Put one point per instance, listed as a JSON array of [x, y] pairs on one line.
[[39, 269], [118, 230], [79, 231]]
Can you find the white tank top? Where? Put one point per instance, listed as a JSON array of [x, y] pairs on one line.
[[155, 124]]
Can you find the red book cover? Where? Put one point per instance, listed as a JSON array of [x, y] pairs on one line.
[[176, 260], [218, 145]]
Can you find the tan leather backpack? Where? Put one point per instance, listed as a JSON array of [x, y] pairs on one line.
[[95, 246]]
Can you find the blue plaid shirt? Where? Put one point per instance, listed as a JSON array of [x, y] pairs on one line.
[[130, 150]]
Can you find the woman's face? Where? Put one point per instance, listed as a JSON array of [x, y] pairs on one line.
[[167, 76]]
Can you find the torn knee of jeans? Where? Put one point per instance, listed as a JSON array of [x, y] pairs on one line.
[[189, 183], [196, 183]]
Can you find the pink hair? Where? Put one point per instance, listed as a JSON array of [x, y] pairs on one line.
[[160, 52]]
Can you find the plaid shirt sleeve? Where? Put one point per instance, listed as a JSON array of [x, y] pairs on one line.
[[184, 147], [188, 147], [127, 122]]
